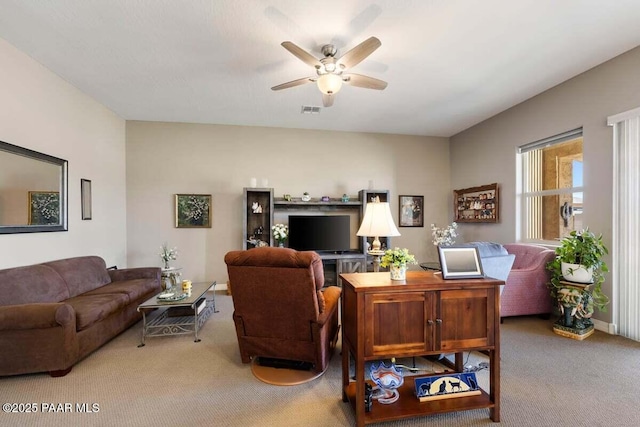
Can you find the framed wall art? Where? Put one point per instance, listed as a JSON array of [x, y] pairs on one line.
[[44, 208], [411, 211], [460, 262], [193, 210], [477, 204], [85, 194]]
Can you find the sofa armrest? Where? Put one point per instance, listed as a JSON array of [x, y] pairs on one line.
[[36, 316], [135, 273], [539, 262], [331, 298]]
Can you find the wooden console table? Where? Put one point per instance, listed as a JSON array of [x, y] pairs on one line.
[[424, 315]]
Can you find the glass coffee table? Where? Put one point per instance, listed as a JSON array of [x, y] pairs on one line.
[[183, 313]]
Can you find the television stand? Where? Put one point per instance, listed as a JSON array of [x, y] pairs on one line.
[[337, 263]]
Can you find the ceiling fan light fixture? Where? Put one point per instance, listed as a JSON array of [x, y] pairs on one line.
[[329, 84]]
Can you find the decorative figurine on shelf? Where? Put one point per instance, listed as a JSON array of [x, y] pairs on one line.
[[168, 254], [287, 197], [388, 379], [306, 197], [325, 198], [256, 208], [257, 243], [345, 198]]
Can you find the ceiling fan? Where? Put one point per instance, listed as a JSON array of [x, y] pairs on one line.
[[330, 71]]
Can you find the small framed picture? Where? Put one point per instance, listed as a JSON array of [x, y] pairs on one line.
[[193, 210], [411, 211], [85, 193], [460, 262]]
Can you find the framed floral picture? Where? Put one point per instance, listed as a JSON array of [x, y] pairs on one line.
[[411, 211], [193, 210], [44, 208]]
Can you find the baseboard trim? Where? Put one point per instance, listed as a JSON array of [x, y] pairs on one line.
[[610, 328]]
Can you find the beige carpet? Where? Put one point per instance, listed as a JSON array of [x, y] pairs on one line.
[[547, 380]]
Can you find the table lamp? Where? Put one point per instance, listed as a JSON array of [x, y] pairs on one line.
[[377, 222]]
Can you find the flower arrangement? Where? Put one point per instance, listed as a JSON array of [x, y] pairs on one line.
[[280, 233], [444, 236], [168, 254], [397, 257]]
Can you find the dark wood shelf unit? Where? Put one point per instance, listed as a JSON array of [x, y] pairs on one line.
[[281, 203], [253, 221], [477, 204]]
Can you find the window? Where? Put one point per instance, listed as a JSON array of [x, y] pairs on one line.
[[551, 187]]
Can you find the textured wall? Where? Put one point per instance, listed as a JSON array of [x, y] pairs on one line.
[[164, 159], [42, 112], [487, 152]]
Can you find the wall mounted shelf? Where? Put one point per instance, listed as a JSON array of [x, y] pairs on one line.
[[477, 204]]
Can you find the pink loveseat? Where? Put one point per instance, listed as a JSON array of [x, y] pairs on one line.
[[526, 290]]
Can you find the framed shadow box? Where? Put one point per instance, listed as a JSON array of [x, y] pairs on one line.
[[477, 204]]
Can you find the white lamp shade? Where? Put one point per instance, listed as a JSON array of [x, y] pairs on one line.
[[329, 84], [378, 221]]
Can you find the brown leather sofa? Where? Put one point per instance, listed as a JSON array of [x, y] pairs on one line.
[[54, 314], [281, 309]]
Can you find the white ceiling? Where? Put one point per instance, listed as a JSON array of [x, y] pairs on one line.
[[449, 63]]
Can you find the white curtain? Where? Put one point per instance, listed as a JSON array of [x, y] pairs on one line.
[[626, 222]]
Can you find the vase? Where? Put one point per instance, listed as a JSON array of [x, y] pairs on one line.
[[398, 272], [281, 244], [166, 264], [576, 273]]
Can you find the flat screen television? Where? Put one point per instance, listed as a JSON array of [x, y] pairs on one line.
[[321, 233]]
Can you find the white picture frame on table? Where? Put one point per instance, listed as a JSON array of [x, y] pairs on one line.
[[460, 262]]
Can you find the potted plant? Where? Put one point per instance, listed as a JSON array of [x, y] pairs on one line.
[[280, 233], [577, 276], [397, 259]]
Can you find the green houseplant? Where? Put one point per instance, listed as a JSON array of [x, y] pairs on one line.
[[580, 253], [397, 260]]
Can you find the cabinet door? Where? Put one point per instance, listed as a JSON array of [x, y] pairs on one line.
[[467, 318], [399, 324]]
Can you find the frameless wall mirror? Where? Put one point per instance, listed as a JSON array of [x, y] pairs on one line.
[[33, 191]]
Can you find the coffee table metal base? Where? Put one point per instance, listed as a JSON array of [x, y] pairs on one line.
[[164, 324]]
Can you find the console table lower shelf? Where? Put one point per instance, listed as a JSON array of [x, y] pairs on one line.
[[408, 404]]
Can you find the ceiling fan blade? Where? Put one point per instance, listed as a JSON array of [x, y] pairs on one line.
[[294, 83], [302, 54], [360, 52], [364, 81], [327, 100]]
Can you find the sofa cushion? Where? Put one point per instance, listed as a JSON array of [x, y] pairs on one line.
[[82, 274], [94, 308], [31, 284], [134, 289]]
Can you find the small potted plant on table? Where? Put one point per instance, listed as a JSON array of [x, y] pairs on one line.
[[576, 282], [397, 259]]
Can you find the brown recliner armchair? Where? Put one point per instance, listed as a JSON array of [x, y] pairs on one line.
[[281, 310]]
